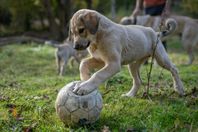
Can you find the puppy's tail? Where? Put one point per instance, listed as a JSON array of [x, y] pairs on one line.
[[52, 43], [170, 27]]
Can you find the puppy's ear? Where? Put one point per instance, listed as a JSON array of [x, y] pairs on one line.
[[70, 33], [91, 22]]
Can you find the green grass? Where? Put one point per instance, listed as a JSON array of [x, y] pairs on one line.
[[29, 86]]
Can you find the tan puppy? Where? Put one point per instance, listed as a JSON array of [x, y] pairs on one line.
[[187, 28], [64, 52], [112, 45]]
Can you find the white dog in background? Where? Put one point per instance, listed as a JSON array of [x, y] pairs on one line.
[[112, 45], [187, 28], [64, 52]]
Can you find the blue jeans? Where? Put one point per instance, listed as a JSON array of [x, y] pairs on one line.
[[155, 10]]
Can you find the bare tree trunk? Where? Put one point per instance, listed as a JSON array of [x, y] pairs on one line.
[[113, 9], [41, 18], [64, 12], [89, 4], [27, 23], [52, 24]]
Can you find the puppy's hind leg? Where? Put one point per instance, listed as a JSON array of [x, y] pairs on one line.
[[163, 60], [134, 72]]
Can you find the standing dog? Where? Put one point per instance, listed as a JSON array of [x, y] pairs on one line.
[[187, 28], [112, 45], [64, 52]]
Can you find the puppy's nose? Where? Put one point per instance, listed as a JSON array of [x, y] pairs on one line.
[[77, 46]]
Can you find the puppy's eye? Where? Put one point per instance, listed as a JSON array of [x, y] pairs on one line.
[[81, 30]]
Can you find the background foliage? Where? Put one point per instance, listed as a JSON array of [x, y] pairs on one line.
[[23, 16]]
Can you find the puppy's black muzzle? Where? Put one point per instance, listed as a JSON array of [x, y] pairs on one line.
[[78, 46]]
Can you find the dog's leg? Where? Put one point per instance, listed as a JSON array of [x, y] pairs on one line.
[[134, 72], [109, 69], [163, 60], [62, 67], [71, 62], [86, 65], [58, 64], [77, 58], [188, 47], [191, 56], [188, 42]]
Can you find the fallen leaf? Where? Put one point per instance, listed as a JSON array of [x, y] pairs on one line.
[[105, 129], [4, 98]]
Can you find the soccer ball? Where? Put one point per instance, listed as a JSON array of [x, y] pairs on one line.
[[75, 109]]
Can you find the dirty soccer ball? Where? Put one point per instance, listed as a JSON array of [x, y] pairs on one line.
[[75, 109]]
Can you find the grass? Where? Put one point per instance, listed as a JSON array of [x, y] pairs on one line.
[[29, 86]]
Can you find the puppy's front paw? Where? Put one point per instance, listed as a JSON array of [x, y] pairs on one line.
[[84, 88]]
